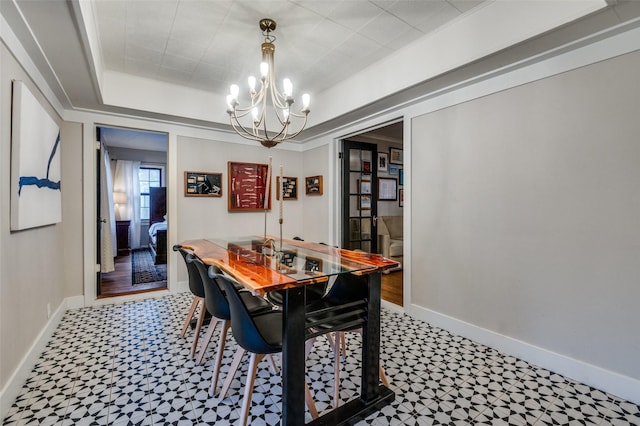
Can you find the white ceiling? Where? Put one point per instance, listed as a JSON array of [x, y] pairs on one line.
[[175, 59], [208, 45]]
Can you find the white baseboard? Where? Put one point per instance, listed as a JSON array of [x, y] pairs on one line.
[[614, 383], [392, 307], [15, 383], [74, 302]]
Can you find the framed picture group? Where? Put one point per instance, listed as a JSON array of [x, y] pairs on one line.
[[390, 186], [247, 186]]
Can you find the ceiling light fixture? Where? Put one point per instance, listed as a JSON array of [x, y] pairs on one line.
[[280, 102]]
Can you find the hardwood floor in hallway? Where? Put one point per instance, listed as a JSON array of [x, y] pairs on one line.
[[392, 288], [118, 282]]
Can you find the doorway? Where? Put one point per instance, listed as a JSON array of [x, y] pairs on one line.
[[373, 199], [131, 204]]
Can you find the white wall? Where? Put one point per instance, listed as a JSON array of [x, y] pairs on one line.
[[527, 217], [317, 213]]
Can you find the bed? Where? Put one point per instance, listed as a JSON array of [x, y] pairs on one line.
[[158, 224]]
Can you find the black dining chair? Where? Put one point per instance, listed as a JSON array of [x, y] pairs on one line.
[[218, 306], [342, 309], [258, 333], [197, 289]]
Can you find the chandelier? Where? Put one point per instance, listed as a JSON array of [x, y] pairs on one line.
[[255, 127]]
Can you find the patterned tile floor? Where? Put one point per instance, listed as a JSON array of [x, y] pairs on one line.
[[126, 364]]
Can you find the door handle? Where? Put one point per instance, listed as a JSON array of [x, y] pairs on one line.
[[375, 220]]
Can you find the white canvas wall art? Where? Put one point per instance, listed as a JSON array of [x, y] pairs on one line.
[[36, 198]]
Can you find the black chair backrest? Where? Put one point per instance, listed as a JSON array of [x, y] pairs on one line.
[[243, 325], [347, 288], [215, 300], [195, 281]]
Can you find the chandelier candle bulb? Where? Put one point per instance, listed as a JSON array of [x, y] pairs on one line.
[[252, 83], [234, 90], [306, 99], [287, 87]]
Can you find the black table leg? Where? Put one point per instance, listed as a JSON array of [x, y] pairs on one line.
[[293, 363], [373, 396], [370, 389]]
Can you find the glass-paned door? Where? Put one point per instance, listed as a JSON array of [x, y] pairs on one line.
[[359, 195]]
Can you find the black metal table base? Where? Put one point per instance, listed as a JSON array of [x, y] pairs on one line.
[[353, 411], [373, 396]]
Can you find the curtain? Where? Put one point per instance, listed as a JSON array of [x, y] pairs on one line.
[[108, 242], [126, 179]]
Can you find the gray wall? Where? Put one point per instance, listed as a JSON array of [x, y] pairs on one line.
[[32, 261], [526, 213]]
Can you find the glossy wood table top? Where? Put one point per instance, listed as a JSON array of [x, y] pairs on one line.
[[297, 262]]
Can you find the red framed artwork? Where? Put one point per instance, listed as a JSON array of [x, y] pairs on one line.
[[248, 187]]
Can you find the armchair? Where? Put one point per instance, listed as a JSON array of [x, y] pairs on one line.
[[390, 237]]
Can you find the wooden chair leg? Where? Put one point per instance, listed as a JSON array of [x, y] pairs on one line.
[[273, 364], [383, 377], [248, 387], [207, 338], [218, 362], [343, 343], [311, 404], [192, 310], [232, 372], [196, 336]]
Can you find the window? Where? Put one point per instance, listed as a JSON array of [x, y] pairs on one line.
[[150, 177]]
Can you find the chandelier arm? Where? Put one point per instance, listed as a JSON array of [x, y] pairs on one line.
[[291, 136], [241, 130]]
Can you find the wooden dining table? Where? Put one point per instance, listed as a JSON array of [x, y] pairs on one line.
[[263, 264]]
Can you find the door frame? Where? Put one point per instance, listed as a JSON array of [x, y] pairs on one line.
[[347, 194], [90, 215]]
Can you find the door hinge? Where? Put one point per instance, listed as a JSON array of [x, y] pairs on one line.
[[340, 155]]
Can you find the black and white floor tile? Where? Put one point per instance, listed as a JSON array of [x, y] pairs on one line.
[[126, 365]]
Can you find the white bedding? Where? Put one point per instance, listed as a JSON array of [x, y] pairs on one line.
[[153, 230]]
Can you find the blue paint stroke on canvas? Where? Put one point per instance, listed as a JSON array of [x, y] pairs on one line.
[[42, 182]]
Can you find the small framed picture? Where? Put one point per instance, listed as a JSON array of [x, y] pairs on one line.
[[202, 184], [401, 177], [365, 186], [395, 156], [366, 167], [393, 169], [383, 162], [313, 185], [365, 202], [387, 189], [401, 197], [289, 188]]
